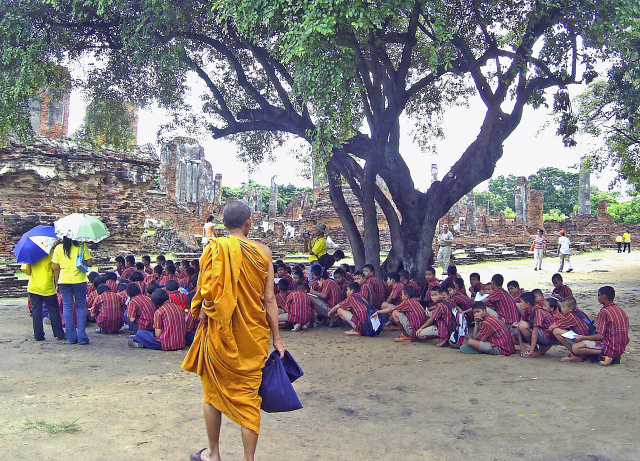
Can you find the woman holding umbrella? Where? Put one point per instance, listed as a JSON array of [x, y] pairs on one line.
[[71, 262]]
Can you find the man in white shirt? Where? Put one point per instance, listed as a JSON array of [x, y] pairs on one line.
[[445, 240], [563, 251]]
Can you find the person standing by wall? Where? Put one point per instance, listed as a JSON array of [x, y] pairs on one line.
[[317, 246], [72, 284], [445, 240], [627, 242], [209, 230], [539, 245], [564, 251]]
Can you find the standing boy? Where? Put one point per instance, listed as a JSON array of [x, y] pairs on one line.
[[564, 251]]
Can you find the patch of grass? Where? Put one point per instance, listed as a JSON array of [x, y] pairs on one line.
[[65, 427]]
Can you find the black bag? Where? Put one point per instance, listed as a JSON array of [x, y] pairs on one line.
[[367, 325], [588, 321]]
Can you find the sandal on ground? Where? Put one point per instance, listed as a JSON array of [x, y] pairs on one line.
[[352, 333], [572, 358], [391, 328], [610, 361], [402, 338], [444, 343], [197, 456]]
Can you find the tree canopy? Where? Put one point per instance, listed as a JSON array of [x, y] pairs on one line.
[[336, 74]]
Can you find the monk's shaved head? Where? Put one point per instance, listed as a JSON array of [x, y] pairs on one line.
[[235, 214]]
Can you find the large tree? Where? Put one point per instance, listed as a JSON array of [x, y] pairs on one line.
[[338, 74]]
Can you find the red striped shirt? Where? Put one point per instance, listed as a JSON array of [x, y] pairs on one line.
[[170, 319], [148, 269], [444, 320], [414, 311], [349, 277], [164, 279], [300, 307], [430, 285], [516, 295], [377, 291], [109, 307], [412, 283], [91, 299], [141, 307], [543, 319], [572, 322], [331, 288], [365, 293], [126, 273], [343, 286], [396, 293], [463, 302], [564, 292], [613, 324], [539, 241], [113, 285], [504, 305], [355, 305], [495, 332], [281, 299]]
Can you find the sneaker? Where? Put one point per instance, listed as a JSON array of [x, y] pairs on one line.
[[135, 344], [100, 331], [569, 270], [535, 268], [132, 336]]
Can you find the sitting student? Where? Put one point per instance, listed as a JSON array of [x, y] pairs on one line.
[[452, 274], [299, 310], [137, 277], [440, 322], [491, 336], [405, 279], [284, 290], [112, 280], [328, 293], [377, 288], [91, 276], [191, 323], [573, 319], [140, 267], [120, 262], [392, 280], [161, 261], [514, 290], [431, 281], [461, 300], [170, 274], [536, 331], [108, 309], [168, 322], [148, 269], [281, 273], [365, 289], [612, 332], [156, 276], [502, 302], [352, 309], [129, 266], [97, 281], [539, 297], [151, 287], [195, 263], [475, 285], [409, 313], [140, 310], [560, 291], [186, 279], [122, 288], [347, 272], [339, 278], [177, 297]]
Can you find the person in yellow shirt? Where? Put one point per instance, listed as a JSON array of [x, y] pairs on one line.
[[238, 314], [72, 284], [619, 242], [316, 246], [41, 291], [627, 242]]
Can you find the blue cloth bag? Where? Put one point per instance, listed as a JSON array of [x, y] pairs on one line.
[[276, 390]]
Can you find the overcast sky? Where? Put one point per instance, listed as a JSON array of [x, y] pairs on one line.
[[527, 150]]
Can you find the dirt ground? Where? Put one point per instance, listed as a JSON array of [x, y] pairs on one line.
[[364, 398]]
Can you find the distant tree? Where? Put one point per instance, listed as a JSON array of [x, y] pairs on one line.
[[612, 197], [626, 212], [560, 188]]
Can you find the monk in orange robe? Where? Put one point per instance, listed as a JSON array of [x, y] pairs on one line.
[[238, 313]]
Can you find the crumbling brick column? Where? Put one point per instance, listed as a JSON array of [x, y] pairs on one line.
[[535, 209]]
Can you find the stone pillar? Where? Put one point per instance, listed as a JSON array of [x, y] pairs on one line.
[[471, 213], [49, 116], [534, 210], [434, 173], [245, 193], [522, 192], [259, 204], [218, 189], [455, 210], [273, 199], [252, 200], [584, 191]]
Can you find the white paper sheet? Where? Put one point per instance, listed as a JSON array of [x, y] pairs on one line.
[[375, 323], [570, 335]]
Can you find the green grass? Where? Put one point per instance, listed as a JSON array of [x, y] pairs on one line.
[[65, 427]]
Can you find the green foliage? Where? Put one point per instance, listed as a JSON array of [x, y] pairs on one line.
[[612, 197], [554, 214], [108, 122], [560, 189], [65, 427], [509, 213], [626, 212], [285, 194]]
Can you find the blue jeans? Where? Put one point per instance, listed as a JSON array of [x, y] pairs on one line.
[[147, 339], [69, 292], [53, 312], [133, 326]]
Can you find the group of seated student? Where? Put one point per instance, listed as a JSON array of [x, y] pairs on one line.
[[153, 302], [485, 319]]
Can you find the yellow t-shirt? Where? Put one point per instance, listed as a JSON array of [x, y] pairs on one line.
[[619, 238], [69, 273], [627, 237], [319, 247], [41, 277]]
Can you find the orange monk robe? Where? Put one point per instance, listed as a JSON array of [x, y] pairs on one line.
[[230, 349]]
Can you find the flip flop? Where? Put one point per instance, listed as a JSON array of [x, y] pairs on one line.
[[197, 456], [469, 350], [352, 333]]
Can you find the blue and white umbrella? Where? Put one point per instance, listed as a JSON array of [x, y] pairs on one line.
[[35, 244]]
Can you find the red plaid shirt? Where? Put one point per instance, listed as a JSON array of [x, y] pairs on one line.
[[355, 305], [331, 288], [543, 319], [463, 302], [290, 279], [414, 311], [365, 293], [495, 332], [516, 296], [349, 277], [126, 273], [170, 319], [396, 293], [300, 307], [91, 299], [113, 285], [572, 322], [141, 307], [109, 308], [148, 269], [613, 324], [165, 278], [475, 289], [150, 278], [444, 320], [504, 305], [377, 291], [434, 282], [142, 286], [563, 292], [91, 288], [281, 298], [343, 286], [412, 283]]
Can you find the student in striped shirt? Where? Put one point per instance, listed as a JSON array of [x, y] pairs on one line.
[[377, 288], [612, 332], [140, 310], [169, 326], [352, 310], [492, 336], [568, 320], [107, 309], [536, 331], [560, 291], [392, 280], [440, 322], [409, 313], [405, 279], [539, 245], [514, 290]]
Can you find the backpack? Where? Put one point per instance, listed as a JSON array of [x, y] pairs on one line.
[[588, 321], [460, 328], [367, 325]]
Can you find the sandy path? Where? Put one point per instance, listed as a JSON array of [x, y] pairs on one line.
[[364, 398]]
